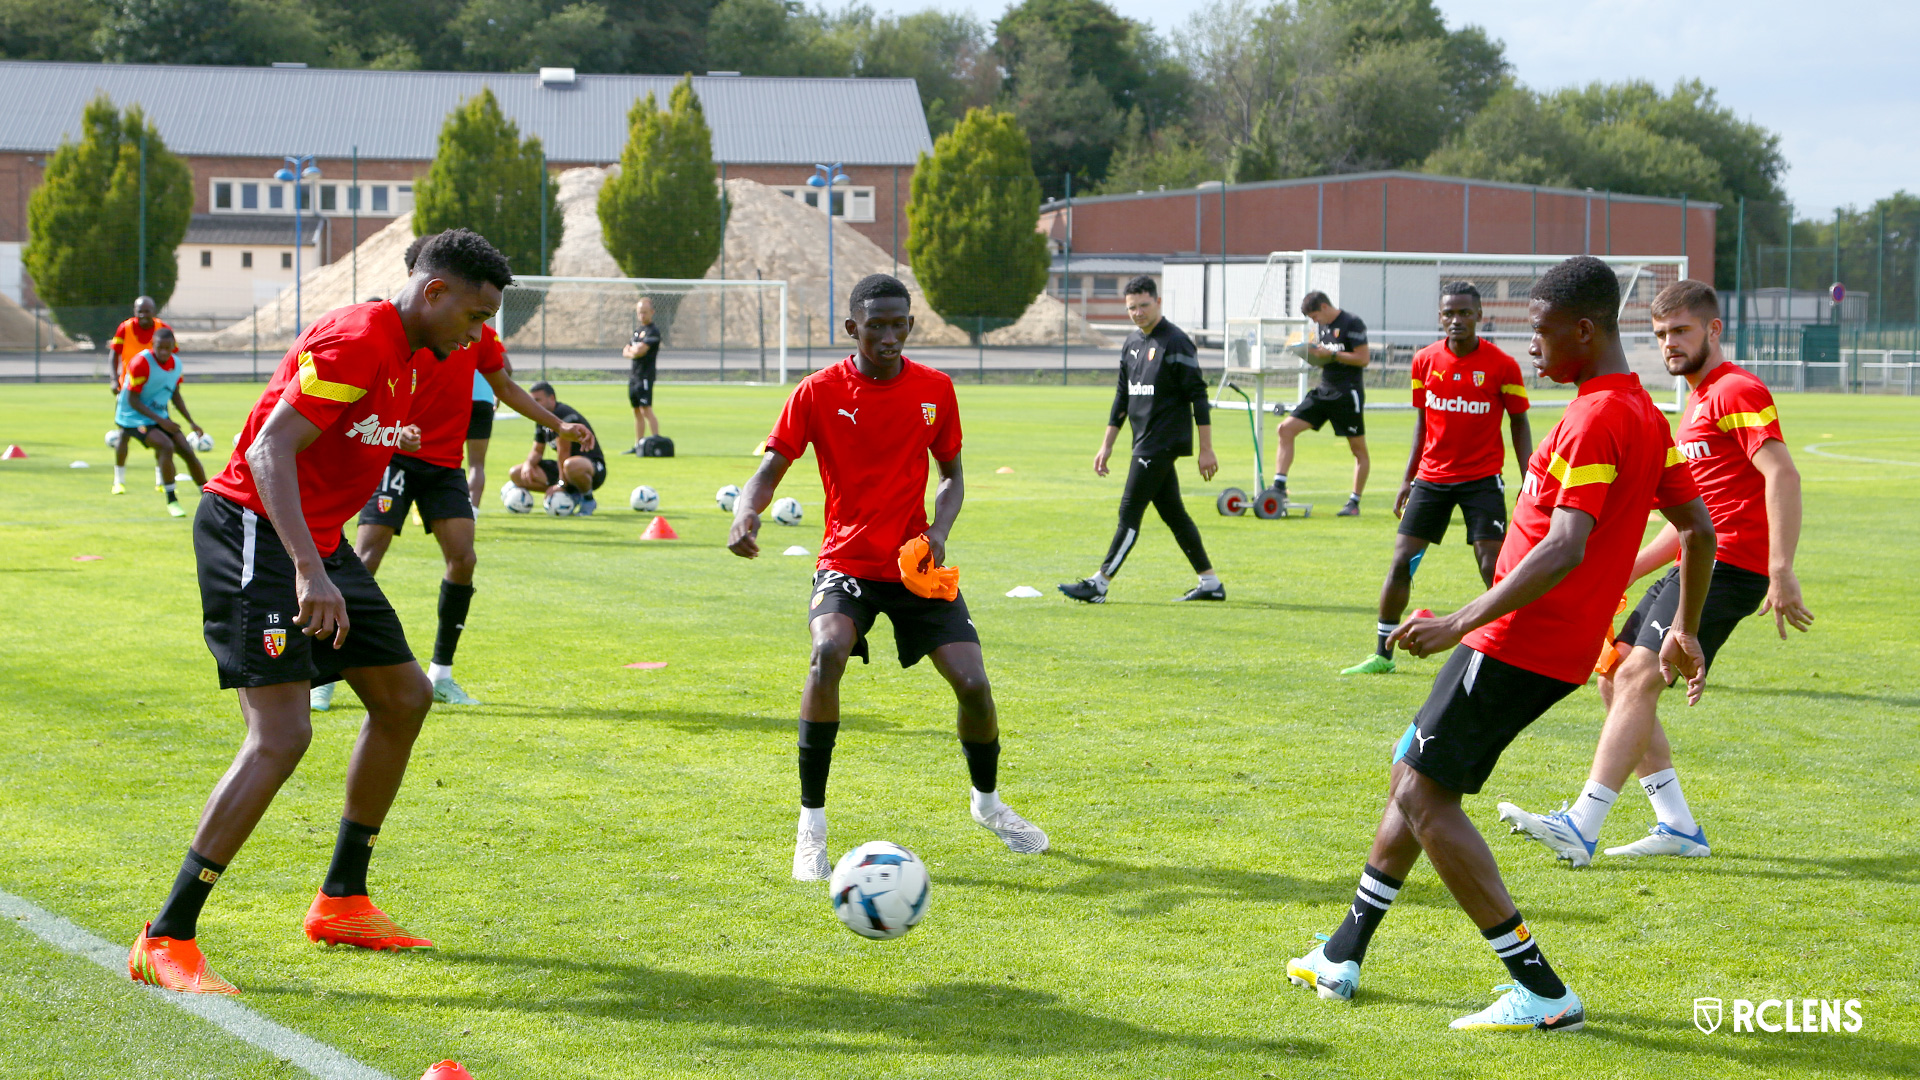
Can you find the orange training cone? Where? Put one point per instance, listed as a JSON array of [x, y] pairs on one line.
[[659, 530], [447, 1070], [14, 451]]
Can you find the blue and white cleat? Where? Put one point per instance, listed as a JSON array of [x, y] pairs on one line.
[[1556, 830], [320, 698], [1520, 1009], [1334, 982], [1664, 839]]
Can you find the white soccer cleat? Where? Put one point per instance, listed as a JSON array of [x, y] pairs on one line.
[[810, 862], [320, 698], [1664, 839], [1555, 830], [448, 692], [1333, 982], [1520, 1009], [1021, 836]]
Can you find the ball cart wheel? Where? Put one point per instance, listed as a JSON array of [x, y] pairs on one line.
[[1231, 503], [1269, 505]]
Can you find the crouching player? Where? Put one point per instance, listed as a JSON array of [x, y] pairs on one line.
[[872, 420], [148, 385]]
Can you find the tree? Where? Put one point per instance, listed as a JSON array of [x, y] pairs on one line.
[[484, 177], [522, 35], [255, 32], [970, 224], [1166, 158], [662, 215], [1123, 56], [774, 37], [1073, 124], [83, 221], [48, 29]]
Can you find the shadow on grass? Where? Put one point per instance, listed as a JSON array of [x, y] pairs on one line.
[[1894, 869], [956, 1018], [1765, 1053], [1895, 700], [697, 721]]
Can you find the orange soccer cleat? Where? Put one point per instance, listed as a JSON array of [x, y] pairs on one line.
[[447, 1070], [353, 920], [173, 964]]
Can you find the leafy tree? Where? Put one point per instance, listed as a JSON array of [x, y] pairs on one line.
[[662, 215], [1073, 124], [774, 37], [970, 224], [1123, 56], [946, 55], [49, 29], [255, 32], [484, 177], [1164, 158], [83, 221], [522, 35]]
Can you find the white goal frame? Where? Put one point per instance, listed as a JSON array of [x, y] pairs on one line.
[[684, 286]]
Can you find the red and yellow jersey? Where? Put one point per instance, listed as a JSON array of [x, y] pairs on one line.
[[444, 405], [1729, 416], [1464, 398], [872, 439], [130, 341], [1612, 457], [353, 376]]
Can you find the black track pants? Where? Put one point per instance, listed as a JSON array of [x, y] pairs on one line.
[[1153, 480]]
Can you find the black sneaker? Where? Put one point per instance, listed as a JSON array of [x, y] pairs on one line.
[[1352, 509], [1201, 592], [634, 450], [1085, 591]]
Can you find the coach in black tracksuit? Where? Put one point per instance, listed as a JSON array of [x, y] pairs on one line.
[[1163, 396]]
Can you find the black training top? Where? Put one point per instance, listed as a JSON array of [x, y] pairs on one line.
[[546, 435], [1347, 333], [648, 335], [1160, 381]]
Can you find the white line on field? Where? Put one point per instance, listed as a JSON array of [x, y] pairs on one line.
[[317, 1058], [1821, 449]]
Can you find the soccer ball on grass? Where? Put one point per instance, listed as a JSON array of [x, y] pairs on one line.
[[516, 499], [726, 497], [644, 499], [202, 443], [560, 504], [879, 890], [787, 511], [113, 437]]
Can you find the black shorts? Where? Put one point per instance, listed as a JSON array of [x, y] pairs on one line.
[[440, 492], [480, 422], [640, 389], [1477, 706], [1483, 503], [139, 434], [1343, 407], [920, 625], [1732, 595], [552, 469], [248, 603]]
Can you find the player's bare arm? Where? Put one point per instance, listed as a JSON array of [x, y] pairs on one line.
[[323, 612], [181, 404], [1783, 537], [1658, 554], [947, 497], [1681, 652], [516, 398], [1550, 560], [1522, 434], [1105, 453], [743, 538], [1413, 463], [1209, 464]]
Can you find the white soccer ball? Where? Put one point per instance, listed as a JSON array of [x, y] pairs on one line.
[[879, 890], [113, 437], [560, 504], [787, 511], [516, 499], [644, 499], [726, 497], [202, 443]]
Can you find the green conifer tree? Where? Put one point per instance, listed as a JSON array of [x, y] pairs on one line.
[[486, 178], [661, 216]]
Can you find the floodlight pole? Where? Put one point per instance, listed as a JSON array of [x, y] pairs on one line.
[[826, 177], [299, 168], [143, 210]]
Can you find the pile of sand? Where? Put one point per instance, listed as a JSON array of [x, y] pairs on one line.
[[17, 329], [381, 273]]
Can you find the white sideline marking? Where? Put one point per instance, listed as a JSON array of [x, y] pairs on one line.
[[1821, 449], [317, 1058]]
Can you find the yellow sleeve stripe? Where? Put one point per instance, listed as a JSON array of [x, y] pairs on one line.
[[312, 385], [1748, 419], [1418, 385], [1573, 476], [1675, 457], [1515, 389]]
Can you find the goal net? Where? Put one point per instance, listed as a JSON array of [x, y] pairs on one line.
[[709, 327]]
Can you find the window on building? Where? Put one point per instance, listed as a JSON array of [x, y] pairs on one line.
[[246, 260], [328, 192], [206, 258], [402, 198], [276, 197], [379, 193], [353, 198], [306, 196], [249, 196], [1106, 285], [849, 203], [223, 196], [286, 260]]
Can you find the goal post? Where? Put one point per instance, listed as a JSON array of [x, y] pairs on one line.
[[705, 323]]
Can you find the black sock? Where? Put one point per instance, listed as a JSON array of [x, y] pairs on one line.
[[454, 602], [1516, 948], [1370, 903], [352, 850], [1382, 631], [983, 763], [179, 917], [816, 760], [172, 495]]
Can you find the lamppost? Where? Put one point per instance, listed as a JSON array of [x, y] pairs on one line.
[[293, 174], [826, 178]]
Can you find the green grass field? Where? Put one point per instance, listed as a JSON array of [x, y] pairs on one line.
[[602, 853]]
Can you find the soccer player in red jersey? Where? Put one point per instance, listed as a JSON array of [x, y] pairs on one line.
[[1730, 435], [431, 479], [287, 603], [872, 420], [1462, 386], [1529, 641], [131, 337]]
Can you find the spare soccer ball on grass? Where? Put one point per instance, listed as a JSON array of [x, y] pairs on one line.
[[726, 497], [879, 890], [113, 438], [560, 504], [787, 511], [201, 443], [644, 499], [516, 499]]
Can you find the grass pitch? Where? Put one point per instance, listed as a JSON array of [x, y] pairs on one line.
[[602, 853]]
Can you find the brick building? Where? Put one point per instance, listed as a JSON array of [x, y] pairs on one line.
[[374, 133]]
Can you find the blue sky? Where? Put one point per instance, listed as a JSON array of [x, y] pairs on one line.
[[1834, 80]]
